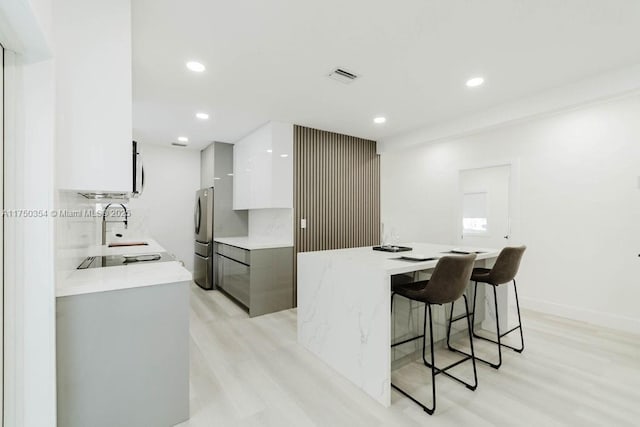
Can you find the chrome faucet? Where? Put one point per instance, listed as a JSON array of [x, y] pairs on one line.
[[104, 221]]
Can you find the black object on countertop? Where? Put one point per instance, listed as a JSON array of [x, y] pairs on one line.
[[402, 258], [392, 248], [462, 252]]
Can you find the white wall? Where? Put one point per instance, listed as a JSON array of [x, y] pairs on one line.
[[578, 196], [165, 209]]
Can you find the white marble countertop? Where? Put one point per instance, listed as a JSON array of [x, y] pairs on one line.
[[114, 278], [248, 243], [389, 262]]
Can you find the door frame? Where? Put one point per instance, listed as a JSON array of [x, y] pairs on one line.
[[2, 190], [514, 219], [514, 194]]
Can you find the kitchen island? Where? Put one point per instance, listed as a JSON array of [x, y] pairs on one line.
[[344, 315], [122, 342]]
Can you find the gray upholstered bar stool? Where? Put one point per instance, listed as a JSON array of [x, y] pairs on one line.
[[398, 280], [446, 285], [504, 271]]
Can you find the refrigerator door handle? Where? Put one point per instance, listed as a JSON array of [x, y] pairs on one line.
[[198, 217]]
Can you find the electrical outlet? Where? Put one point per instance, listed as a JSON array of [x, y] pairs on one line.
[[303, 223]]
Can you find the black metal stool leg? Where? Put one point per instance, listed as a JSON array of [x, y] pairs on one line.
[[473, 354], [449, 325], [515, 289], [473, 332], [495, 300], [428, 410], [433, 359], [473, 314], [499, 334]]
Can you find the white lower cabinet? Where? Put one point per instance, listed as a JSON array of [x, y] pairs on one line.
[[123, 357]]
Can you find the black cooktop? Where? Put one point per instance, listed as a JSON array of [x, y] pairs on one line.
[[118, 260]]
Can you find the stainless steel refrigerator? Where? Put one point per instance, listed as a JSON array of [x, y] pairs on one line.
[[203, 221]]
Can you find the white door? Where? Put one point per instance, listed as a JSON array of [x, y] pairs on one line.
[[484, 217], [484, 221]]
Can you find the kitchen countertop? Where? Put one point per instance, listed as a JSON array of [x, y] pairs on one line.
[[248, 243], [123, 277]]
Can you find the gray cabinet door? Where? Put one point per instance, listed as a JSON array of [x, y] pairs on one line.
[[202, 274], [235, 279]]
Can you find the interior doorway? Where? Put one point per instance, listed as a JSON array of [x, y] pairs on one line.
[[484, 220], [484, 217]]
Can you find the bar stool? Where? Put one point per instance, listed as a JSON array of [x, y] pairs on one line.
[[398, 280], [447, 284], [503, 272]]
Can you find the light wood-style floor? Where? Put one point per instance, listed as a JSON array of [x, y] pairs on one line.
[[251, 372]]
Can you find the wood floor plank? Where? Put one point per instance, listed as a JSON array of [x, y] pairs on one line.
[[252, 372]]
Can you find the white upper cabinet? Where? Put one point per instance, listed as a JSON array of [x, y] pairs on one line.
[[92, 53], [263, 168]]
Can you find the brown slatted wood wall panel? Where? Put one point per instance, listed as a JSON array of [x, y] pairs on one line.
[[336, 189]]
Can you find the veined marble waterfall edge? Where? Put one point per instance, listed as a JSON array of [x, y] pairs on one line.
[[335, 324]]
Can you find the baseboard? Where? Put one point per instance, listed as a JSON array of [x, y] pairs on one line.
[[599, 318]]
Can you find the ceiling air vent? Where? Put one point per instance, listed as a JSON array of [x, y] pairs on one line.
[[343, 76], [178, 144]]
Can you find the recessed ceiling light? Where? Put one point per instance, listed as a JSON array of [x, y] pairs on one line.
[[269, 150], [475, 82], [183, 139], [379, 120], [284, 155], [195, 66], [229, 174], [216, 178], [202, 116]]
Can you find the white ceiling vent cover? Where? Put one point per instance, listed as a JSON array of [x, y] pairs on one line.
[[343, 76], [178, 144]]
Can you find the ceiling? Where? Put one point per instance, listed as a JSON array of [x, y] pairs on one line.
[[269, 60]]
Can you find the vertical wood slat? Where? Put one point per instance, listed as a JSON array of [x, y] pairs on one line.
[[336, 189]]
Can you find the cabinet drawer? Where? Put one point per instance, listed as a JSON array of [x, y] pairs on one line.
[[233, 252], [235, 279]]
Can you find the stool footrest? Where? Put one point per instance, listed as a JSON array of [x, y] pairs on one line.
[[406, 341], [496, 342], [453, 365], [493, 365], [509, 331], [462, 316], [427, 410]]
